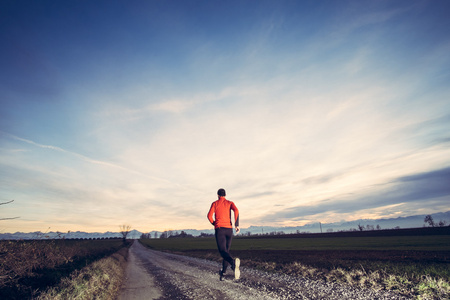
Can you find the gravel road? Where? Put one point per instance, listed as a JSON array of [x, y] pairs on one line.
[[158, 275]]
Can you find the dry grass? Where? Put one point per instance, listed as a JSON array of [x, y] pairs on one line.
[[100, 280], [419, 287], [29, 267], [20, 259]]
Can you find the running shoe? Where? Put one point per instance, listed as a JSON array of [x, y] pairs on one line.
[[237, 272]]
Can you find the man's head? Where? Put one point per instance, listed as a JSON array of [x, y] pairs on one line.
[[221, 193]]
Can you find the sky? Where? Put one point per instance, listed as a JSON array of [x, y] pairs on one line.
[[137, 112]]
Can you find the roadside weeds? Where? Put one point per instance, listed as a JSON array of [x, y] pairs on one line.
[[99, 280], [419, 287]]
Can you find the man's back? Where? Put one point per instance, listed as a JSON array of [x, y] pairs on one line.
[[222, 210]]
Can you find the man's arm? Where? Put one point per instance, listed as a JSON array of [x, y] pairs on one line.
[[236, 216], [210, 214]]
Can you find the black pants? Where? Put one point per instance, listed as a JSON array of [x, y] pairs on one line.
[[223, 240]]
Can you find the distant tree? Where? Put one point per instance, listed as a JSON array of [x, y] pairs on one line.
[[429, 219], [330, 230], [442, 223], [360, 227], [1, 219], [183, 234], [145, 236], [124, 231], [203, 234], [369, 227], [378, 227]]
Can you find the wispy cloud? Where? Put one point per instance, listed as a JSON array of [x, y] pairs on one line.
[[85, 158]]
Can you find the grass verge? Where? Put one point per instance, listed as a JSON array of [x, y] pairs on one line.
[[99, 280]]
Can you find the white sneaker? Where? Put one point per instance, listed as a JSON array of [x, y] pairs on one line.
[[237, 272]]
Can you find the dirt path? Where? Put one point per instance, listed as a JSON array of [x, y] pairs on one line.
[[158, 275], [139, 284]]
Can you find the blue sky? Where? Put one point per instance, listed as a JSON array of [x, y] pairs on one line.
[[137, 112]]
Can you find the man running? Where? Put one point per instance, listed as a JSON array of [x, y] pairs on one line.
[[221, 209]]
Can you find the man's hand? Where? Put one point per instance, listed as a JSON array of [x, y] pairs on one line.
[[237, 230]]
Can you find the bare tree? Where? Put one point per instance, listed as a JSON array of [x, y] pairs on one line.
[[429, 219], [124, 231], [360, 227], [1, 219]]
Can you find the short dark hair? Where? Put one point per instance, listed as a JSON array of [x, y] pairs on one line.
[[221, 192]]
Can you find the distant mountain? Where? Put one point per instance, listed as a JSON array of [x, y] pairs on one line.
[[193, 232], [401, 222]]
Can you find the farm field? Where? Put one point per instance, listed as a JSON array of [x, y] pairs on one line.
[[30, 268], [414, 266], [422, 243]]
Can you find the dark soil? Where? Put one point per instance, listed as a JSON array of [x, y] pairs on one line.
[[347, 259]]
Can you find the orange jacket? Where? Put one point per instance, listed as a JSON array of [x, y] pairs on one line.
[[222, 209]]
